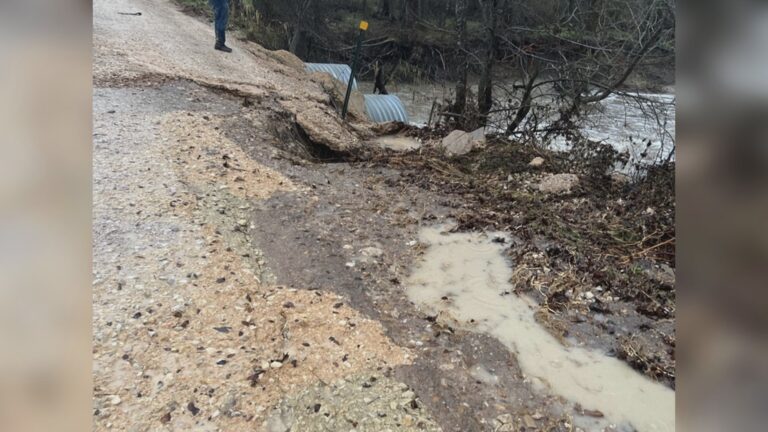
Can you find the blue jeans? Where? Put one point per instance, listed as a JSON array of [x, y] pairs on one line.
[[220, 18]]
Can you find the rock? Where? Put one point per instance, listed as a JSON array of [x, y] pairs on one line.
[[397, 143], [192, 408], [459, 143], [536, 162], [326, 129], [338, 91], [372, 252], [529, 422], [504, 422], [558, 183]]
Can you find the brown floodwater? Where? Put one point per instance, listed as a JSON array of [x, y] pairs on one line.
[[466, 275]]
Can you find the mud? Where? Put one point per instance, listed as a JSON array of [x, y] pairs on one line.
[[466, 277], [345, 229], [351, 230]]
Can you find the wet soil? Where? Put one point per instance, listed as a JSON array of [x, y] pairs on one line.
[[352, 229], [319, 240]]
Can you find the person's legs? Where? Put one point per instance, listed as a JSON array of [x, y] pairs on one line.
[[221, 17]]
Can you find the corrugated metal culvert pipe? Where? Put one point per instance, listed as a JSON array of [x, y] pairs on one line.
[[340, 72], [385, 108], [380, 108]]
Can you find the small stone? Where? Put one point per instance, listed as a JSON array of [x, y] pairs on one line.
[[504, 419], [276, 365], [192, 408], [536, 162], [529, 421], [115, 400], [558, 183], [372, 252]]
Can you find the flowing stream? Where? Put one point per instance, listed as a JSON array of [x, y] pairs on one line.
[[466, 275], [646, 135]]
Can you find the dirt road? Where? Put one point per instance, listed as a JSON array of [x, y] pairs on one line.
[[239, 287]]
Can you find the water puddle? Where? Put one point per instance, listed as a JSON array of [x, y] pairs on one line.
[[466, 274]]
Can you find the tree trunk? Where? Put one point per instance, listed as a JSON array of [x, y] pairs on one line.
[[407, 15], [525, 103], [485, 88], [385, 9], [299, 43], [460, 105]]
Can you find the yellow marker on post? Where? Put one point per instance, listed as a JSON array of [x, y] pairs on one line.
[[363, 28]]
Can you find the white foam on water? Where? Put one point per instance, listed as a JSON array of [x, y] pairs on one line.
[[465, 274]]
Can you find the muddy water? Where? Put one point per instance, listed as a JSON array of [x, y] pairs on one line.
[[466, 276]]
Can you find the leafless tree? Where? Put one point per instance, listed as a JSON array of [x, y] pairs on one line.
[[460, 103]]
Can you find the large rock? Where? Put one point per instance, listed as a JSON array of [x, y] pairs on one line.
[[459, 143], [558, 183], [338, 91], [397, 143], [327, 129]]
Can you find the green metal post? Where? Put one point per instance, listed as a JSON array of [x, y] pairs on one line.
[[352, 75]]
